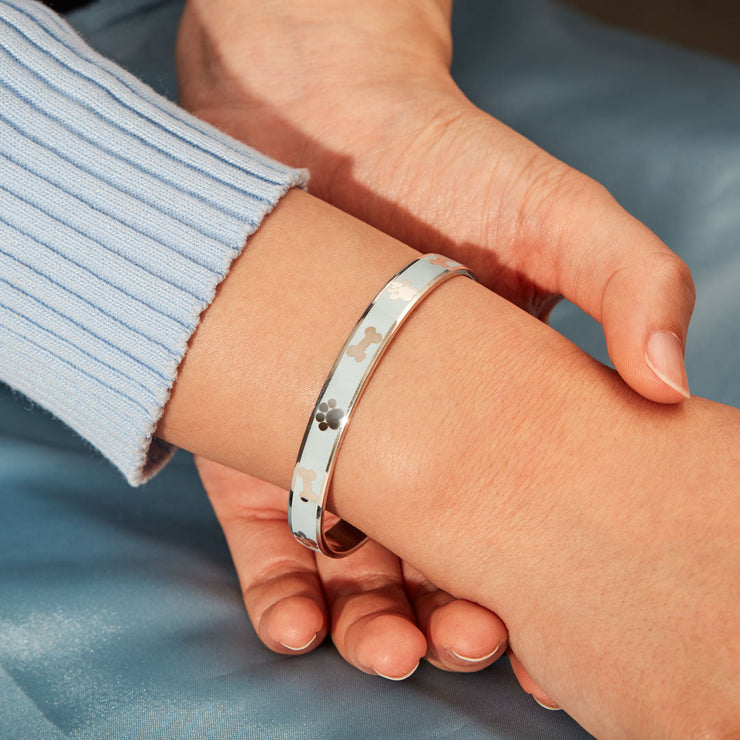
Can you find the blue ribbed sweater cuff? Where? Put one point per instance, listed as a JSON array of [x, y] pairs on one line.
[[119, 216]]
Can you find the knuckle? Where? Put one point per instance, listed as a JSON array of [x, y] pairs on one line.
[[374, 583], [671, 270], [684, 278], [279, 571]]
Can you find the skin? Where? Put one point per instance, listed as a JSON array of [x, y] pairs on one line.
[[383, 615], [326, 85], [611, 510]]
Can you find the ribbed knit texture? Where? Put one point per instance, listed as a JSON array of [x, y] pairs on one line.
[[119, 216]]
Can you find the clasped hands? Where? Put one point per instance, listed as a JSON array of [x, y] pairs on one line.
[[361, 95]]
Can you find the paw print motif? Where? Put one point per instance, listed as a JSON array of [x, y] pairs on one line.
[[401, 290], [329, 416]]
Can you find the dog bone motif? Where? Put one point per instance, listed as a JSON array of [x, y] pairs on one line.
[[441, 261], [359, 351], [401, 290], [308, 477]]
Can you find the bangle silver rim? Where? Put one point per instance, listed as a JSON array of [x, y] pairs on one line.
[[339, 396]]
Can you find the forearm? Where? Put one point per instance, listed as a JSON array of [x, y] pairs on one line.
[[474, 404], [263, 350]]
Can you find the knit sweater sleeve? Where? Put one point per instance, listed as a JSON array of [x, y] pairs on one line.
[[119, 215]]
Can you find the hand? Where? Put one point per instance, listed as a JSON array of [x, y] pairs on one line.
[[393, 117], [360, 93], [287, 606], [384, 616]]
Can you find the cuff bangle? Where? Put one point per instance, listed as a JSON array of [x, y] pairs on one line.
[[342, 389]]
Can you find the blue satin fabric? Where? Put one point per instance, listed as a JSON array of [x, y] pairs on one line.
[[120, 614]]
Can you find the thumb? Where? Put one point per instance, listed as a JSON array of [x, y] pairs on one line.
[[623, 275], [646, 306]]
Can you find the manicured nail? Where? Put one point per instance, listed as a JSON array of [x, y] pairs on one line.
[[397, 678], [466, 659], [664, 357], [549, 707], [301, 647]]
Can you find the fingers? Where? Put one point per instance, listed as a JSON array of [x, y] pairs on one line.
[[372, 623], [281, 589], [461, 636], [619, 272], [529, 685]]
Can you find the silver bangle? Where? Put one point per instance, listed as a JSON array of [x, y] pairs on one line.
[[343, 388]]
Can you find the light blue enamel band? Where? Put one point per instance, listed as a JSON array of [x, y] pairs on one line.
[[343, 388]]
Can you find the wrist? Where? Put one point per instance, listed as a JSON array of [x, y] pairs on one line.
[[266, 344]]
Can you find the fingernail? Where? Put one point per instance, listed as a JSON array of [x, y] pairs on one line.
[[466, 659], [301, 647], [397, 678], [549, 707], [664, 356]]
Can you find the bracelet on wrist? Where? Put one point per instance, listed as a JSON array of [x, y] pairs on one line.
[[341, 392]]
